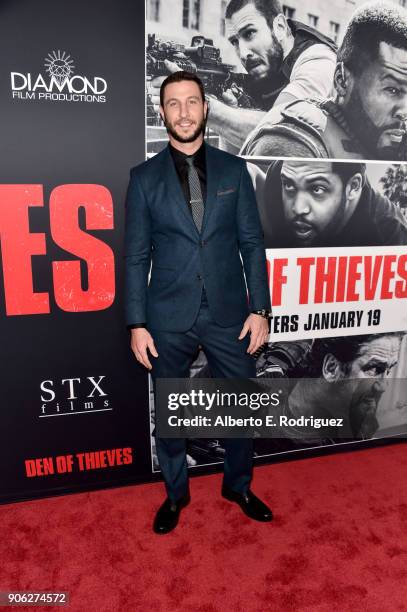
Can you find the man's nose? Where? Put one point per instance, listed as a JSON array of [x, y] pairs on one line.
[[401, 110], [380, 384], [183, 109], [244, 51], [301, 205]]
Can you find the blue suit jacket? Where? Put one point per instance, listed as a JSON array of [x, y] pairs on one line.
[[161, 233]]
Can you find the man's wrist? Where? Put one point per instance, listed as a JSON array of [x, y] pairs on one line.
[[266, 314]]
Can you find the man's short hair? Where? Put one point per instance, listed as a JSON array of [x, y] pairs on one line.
[[369, 26], [268, 8], [346, 170], [177, 77], [346, 349]]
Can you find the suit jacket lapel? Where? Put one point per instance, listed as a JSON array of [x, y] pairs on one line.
[[175, 193], [213, 173]]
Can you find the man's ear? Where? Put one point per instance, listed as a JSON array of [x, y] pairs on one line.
[[342, 80], [354, 186], [162, 114], [280, 27], [331, 368]]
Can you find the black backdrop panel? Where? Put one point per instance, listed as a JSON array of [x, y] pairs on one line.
[[51, 143]]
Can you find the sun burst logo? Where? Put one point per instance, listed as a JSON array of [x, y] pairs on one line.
[[59, 65]]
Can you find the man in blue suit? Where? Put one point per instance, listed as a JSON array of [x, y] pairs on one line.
[[191, 216]]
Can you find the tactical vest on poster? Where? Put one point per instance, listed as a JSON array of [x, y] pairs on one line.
[[304, 37], [316, 126]]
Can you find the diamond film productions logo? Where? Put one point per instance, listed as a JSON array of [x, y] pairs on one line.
[[60, 84], [59, 66]]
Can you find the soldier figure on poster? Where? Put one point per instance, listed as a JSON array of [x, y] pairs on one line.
[[366, 118]]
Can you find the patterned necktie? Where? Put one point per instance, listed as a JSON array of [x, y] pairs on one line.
[[196, 201]]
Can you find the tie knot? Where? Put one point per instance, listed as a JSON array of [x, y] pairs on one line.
[[190, 161]]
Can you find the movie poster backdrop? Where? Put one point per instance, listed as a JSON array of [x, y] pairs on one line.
[[338, 281]]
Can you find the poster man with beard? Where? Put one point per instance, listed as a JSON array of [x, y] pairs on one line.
[[365, 361], [341, 378], [285, 60], [367, 117], [315, 203]]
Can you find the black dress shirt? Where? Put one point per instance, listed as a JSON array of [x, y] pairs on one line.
[[181, 167]]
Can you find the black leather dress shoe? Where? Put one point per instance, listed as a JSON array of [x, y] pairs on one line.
[[251, 505], [167, 515]]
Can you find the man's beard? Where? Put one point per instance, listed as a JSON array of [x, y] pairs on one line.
[[324, 237], [363, 409], [199, 129], [274, 79], [275, 57], [365, 130]]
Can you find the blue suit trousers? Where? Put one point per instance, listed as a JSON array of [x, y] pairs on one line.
[[227, 358]]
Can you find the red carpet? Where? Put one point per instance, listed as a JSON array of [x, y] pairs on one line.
[[338, 542]]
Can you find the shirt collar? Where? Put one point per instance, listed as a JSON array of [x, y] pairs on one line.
[[179, 156]]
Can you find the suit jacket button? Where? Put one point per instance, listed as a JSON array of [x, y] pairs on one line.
[[203, 242], [199, 276]]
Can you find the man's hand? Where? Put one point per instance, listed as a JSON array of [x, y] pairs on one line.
[[156, 82], [259, 331], [228, 97], [141, 340]]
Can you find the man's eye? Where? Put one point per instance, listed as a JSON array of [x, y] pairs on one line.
[[393, 91], [318, 190], [289, 187], [249, 34], [376, 371]]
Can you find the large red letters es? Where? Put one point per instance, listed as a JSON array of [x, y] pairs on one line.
[[18, 245]]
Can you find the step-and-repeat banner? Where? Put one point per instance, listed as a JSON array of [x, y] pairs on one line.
[[73, 400], [79, 107], [316, 103]]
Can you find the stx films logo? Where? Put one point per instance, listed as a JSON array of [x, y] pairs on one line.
[[73, 396], [59, 84]]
